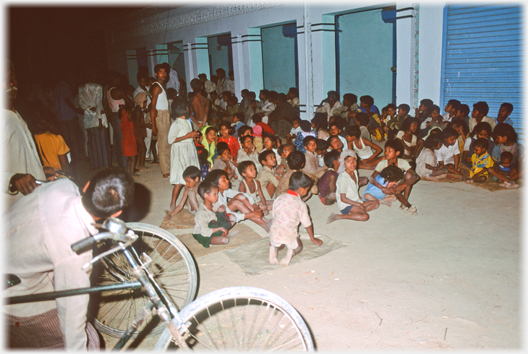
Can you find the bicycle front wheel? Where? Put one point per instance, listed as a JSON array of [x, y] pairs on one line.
[[173, 269], [242, 318]]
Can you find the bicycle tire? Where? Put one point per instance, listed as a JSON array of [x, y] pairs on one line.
[[172, 266], [242, 318]]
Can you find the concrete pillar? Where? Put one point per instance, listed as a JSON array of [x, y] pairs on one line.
[[405, 55]]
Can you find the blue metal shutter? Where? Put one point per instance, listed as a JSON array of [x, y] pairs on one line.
[[483, 58]]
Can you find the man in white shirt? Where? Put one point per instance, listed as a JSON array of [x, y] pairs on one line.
[[174, 79], [450, 110], [330, 105]]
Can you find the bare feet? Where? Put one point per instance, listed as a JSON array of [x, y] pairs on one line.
[[166, 175], [331, 218], [469, 181]]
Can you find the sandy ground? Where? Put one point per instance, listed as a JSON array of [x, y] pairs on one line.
[[448, 278]]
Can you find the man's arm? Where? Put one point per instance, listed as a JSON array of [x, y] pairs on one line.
[[155, 91]]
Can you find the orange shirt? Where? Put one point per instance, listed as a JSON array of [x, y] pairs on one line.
[[50, 146]]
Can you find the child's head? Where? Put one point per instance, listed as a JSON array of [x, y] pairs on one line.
[[196, 85], [322, 146], [300, 183], [433, 142], [352, 133], [296, 121], [426, 104], [505, 110], [214, 95], [460, 126], [257, 131], [319, 121], [238, 117], [435, 112], [362, 119], [349, 99], [246, 141], [450, 136], [504, 133], [124, 113], [410, 124], [480, 109], [269, 141], [310, 143], [256, 118], [296, 160], [210, 134], [306, 126], [334, 128], [331, 158], [391, 109], [335, 142], [286, 149], [263, 95], [366, 101], [247, 169], [191, 175], [208, 191], [391, 174], [223, 149], [224, 129], [244, 131], [393, 148], [480, 146], [462, 111], [267, 158], [292, 93], [506, 158], [179, 108], [403, 109], [350, 160], [219, 178], [481, 130]]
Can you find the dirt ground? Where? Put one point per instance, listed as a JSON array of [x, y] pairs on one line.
[[448, 278]]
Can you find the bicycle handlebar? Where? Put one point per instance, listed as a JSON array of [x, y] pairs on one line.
[[85, 244]]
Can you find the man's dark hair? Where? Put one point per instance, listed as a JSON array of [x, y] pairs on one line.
[[158, 67], [482, 107], [109, 191], [330, 157], [243, 166], [206, 187], [367, 100], [296, 160], [264, 154], [192, 172], [427, 102], [508, 106], [299, 180], [179, 108]]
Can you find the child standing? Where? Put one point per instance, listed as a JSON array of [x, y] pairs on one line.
[[347, 193], [389, 177], [250, 185], [393, 149], [367, 152], [51, 147], [140, 129], [192, 176], [211, 227], [327, 183], [128, 142], [289, 210], [183, 151], [267, 175]]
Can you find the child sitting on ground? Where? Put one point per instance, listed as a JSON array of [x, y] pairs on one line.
[[226, 137], [312, 161], [481, 162], [267, 176], [296, 129], [225, 161], [448, 156], [321, 150], [251, 186], [505, 139], [239, 204], [257, 138], [347, 193], [481, 130], [192, 177], [211, 228], [247, 152], [296, 162], [408, 136], [389, 177], [393, 149], [270, 143], [335, 143], [426, 164], [307, 130], [503, 171], [289, 210], [284, 151], [367, 152], [327, 183]]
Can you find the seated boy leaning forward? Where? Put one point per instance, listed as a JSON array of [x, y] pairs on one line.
[[505, 172], [289, 210], [393, 149], [59, 216], [390, 176], [327, 183], [192, 176], [211, 228], [347, 193]]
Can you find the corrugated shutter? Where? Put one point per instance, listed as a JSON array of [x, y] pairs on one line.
[[483, 58]]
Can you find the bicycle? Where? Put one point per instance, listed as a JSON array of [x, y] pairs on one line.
[[235, 318]]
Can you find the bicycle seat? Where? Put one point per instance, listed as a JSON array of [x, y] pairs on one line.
[[12, 280]]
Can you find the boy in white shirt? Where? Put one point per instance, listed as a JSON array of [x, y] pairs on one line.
[[447, 156]]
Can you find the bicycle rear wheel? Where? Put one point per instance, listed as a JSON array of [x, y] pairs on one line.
[[242, 318], [173, 269]]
